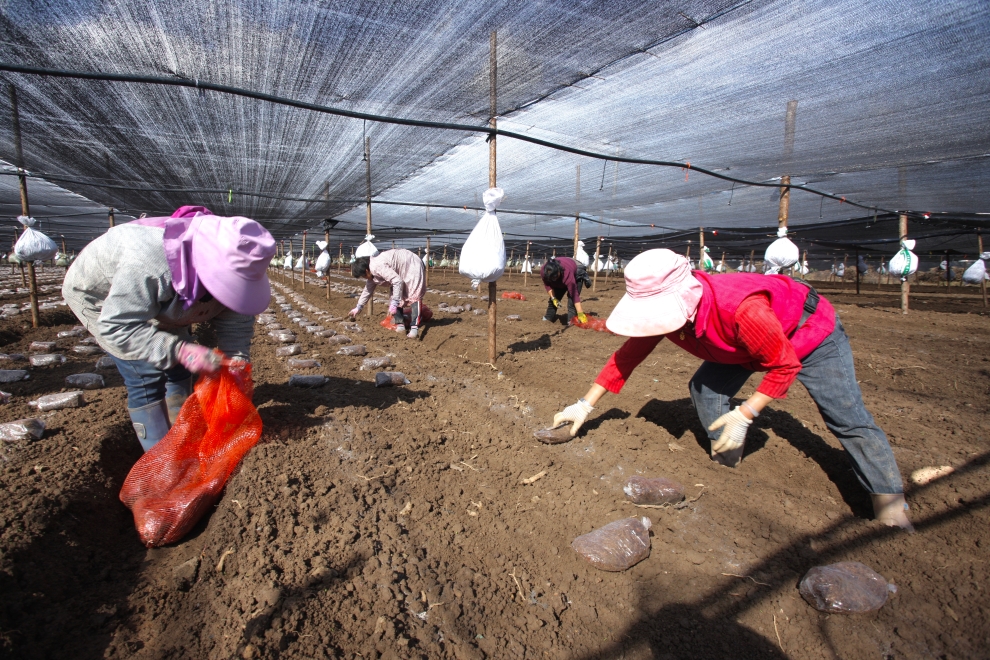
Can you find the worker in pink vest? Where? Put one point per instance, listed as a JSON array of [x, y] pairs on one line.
[[738, 324]]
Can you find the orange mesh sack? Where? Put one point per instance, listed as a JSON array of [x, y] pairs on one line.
[[594, 323], [512, 295], [425, 314], [173, 485]]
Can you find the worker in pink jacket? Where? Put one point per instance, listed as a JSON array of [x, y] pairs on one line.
[[405, 272]]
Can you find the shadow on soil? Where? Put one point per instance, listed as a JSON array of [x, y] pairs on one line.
[[708, 628], [65, 589], [678, 417]]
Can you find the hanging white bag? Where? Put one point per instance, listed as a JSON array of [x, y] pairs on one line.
[[527, 266], [977, 272], [781, 254], [287, 261], [706, 263], [33, 245], [483, 255], [367, 249], [904, 262], [581, 256], [322, 264], [300, 263]]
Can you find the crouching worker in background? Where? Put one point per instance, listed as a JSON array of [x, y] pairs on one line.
[[741, 323], [564, 276], [138, 288], [405, 272]]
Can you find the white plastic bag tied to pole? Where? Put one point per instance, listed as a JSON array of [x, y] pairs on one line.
[[904, 262], [32, 244], [581, 256], [781, 254], [527, 267], [367, 249], [483, 255], [300, 263], [977, 272], [287, 261]]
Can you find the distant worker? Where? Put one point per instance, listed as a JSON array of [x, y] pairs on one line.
[[139, 287], [405, 272], [564, 276], [738, 324]]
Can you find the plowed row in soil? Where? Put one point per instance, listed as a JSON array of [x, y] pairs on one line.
[[393, 522]]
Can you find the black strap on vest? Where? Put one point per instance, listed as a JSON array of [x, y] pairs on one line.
[[810, 305]]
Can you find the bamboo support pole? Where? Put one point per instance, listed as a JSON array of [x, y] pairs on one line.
[[326, 239], [367, 211], [610, 264], [492, 179], [527, 265], [594, 278], [577, 215], [905, 285], [983, 282], [948, 271], [427, 261], [721, 263], [508, 270], [303, 260], [110, 219], [752, 253], [857, 271], [845, 267], [25, 206]]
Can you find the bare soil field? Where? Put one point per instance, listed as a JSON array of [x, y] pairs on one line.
[[394, 522]]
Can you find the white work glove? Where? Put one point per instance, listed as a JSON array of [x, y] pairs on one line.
[[576, 414], [354, 312], [728, 449]]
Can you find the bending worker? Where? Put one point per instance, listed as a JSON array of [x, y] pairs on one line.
[[138, 288], [407, 275], [740, 323], [563, 275]]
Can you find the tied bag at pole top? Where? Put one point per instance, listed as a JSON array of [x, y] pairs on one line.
[[172, 486]]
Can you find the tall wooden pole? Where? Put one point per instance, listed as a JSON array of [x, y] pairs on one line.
[[25, 206], [110, 219], [948, 271], [303, 268], [905, 285], [326, 239], [292, 266], [610, 264], [492, 179], [983, 282], [857, 271], [721, 263], [598, 251], [752, 253], [527, 265], [577, 215], [367, 209], [427, 264], [785, 180]]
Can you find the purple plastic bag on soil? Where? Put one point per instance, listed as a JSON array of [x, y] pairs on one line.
[[390, 379], [303, 363], [106, 362], [653, 492], [847, 587], [367, 364], [616, 546], [356, 349], [58, 401], [85, 381], [291, 349], [47, 360], [22, 429], [298, 380], [12, 375]]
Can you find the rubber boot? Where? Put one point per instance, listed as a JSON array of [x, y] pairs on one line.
[[891, 510], [176, 394], [150, 423]]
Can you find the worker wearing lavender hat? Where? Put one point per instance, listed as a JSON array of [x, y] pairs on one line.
[[139, 287], [739, 324]]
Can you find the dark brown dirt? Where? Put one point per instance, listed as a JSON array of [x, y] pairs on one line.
[[393, 522]]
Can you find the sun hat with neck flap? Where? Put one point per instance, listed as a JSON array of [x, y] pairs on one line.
[[231, 257], [661, 296]]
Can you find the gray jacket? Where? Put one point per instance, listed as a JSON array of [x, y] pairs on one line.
[[120, 287]]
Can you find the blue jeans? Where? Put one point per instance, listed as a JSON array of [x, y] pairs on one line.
[[146, 383], [830, 378]]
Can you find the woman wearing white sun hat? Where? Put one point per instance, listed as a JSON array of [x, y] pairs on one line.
[[742, 323]]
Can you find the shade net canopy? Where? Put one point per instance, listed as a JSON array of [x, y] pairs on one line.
[[881, 104]]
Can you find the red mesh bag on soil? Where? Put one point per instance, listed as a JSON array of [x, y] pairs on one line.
[[593, 323], [513, 295], [425, 314], [173, 485]]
